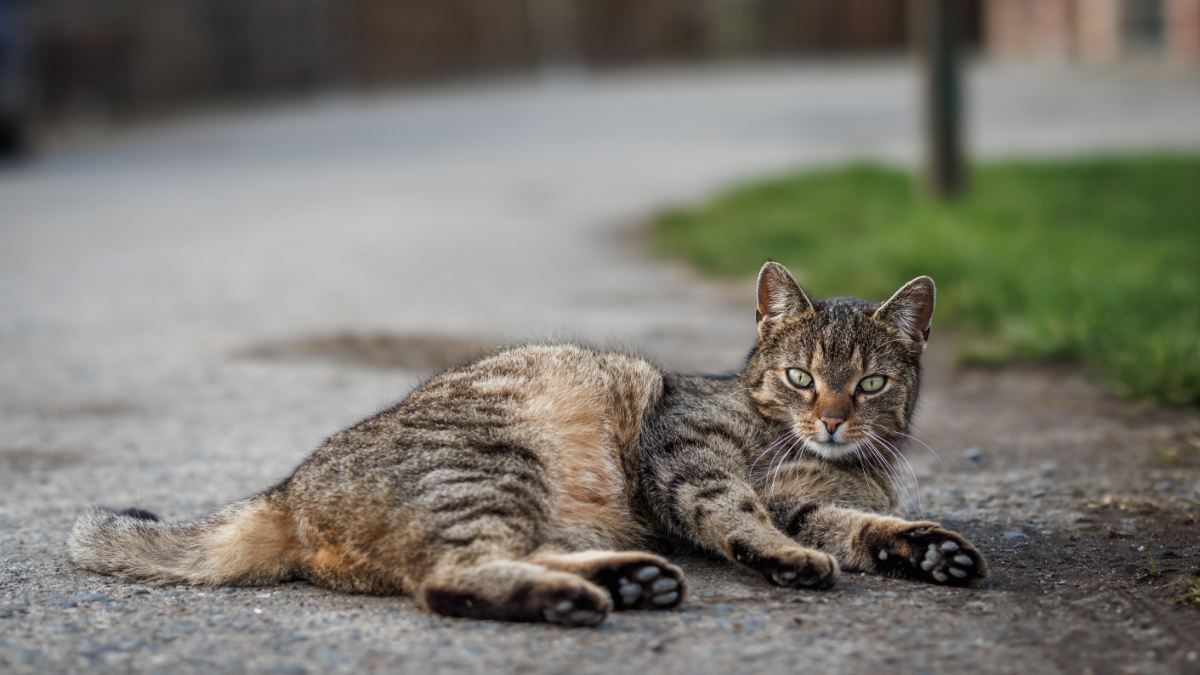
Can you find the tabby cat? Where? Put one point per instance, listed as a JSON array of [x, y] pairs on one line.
[[529, 485]]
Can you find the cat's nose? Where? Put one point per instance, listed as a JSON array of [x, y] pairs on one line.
[[832, 423]]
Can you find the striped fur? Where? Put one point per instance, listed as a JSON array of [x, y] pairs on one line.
[[542, 483]]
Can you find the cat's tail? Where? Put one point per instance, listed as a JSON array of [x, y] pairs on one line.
[[249, 542]]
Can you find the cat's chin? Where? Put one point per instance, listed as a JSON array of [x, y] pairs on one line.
[[831, 449]]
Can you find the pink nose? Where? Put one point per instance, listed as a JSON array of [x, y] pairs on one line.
[[832, 423]]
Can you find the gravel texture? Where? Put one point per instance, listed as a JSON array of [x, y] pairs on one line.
[[187, 309]]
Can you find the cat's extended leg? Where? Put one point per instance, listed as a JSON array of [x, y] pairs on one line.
[[479, 566], [882, 544], [634, 579], [700, 493], [572, 589], [513, 590]]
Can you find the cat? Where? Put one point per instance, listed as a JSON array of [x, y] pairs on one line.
[[533, 484]]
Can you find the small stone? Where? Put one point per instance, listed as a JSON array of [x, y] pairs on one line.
[[973, 454]]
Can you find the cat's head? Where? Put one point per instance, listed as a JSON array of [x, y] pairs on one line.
[[841, 374]]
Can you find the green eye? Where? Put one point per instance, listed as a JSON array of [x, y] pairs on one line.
[[872, 383], [799, 378]]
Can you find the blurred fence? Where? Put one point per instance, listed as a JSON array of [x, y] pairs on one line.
[[126, 56]]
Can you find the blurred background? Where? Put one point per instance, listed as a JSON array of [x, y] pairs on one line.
[[229, 228], [89, 61], [255, 142], [86, 62]]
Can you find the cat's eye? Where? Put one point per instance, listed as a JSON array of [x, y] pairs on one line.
[[872, 384], [799, 378]]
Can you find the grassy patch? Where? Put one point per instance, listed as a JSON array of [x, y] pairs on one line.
[[1190, 585], [1094, 260]]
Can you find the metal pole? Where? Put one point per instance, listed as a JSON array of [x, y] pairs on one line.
[[935, 32]]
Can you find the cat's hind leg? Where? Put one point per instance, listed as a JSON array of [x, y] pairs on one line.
[[571, 589], [483, 516], [513, 590], [634, 579]]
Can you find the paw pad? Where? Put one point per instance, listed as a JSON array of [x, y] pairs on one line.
[[647, 587], [647, 582], [937, 555], [570, 613]]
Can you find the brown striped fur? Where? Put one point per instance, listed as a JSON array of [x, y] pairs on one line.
[[541, 483]]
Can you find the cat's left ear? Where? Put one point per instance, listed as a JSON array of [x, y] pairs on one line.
[[911, 309]]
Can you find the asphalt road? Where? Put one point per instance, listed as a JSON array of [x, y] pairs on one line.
[[176, 302]]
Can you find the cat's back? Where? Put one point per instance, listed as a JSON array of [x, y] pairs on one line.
[[543, 393], [566, 416]]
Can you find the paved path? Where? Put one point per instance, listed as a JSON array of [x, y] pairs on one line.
[[136, 270]]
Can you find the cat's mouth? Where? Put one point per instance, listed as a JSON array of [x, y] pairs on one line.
[[831, 448]]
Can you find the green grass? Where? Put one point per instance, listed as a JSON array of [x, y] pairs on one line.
[[1094, 260], [1190, 585]]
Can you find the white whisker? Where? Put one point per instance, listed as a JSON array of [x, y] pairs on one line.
[[935, 455], [890, 471], [722, 401], [916, 483], [895, 474], [870, 444], [782, 437], [771, 492]]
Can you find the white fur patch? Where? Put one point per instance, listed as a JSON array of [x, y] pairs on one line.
[[830, 450]]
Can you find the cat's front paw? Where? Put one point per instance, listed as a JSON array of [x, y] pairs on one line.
[[930, 553]]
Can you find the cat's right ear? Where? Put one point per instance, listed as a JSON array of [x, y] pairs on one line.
[[779, 295]]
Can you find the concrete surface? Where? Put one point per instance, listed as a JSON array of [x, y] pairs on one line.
[[141, 272]]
